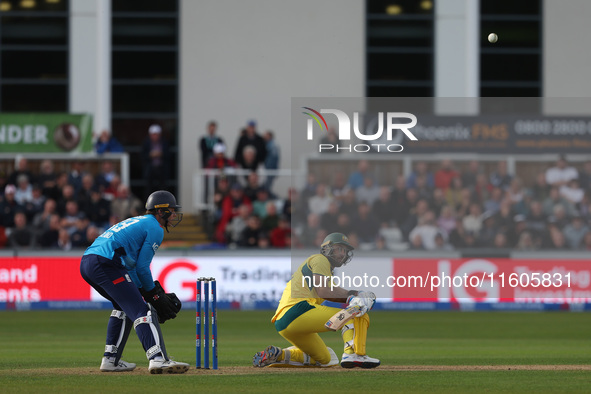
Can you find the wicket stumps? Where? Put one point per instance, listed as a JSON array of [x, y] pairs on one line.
[[203, 286]]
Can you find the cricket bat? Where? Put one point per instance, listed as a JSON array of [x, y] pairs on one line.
[[341, 318]]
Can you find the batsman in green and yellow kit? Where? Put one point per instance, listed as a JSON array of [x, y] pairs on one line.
[[300, 315]]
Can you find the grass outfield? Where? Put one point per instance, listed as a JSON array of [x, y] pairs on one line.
[[60, 351]]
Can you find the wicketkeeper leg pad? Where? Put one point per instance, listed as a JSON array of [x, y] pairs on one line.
[[149, 333], [117, 333]]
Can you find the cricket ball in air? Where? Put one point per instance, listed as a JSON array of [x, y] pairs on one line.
[[492, 38]]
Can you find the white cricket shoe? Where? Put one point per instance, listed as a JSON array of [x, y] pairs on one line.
[[108, 365], [355, 360], [167, 366]]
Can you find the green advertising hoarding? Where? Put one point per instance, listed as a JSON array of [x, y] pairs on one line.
[[45, 133]]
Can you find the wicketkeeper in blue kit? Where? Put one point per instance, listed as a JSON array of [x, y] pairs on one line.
[[117, 265]]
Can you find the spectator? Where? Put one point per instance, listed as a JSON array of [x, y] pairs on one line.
[[259, 205], [424, 234], [493, 202], [110, 193], [489, 230], [75, 175], [208, 142], [444, 175], [310, 230], [453, 193], [518, 228], [84, 195], [458, 236], [470, 175], [357, 178], [63, 241], [280, 236], [421, 170], [47, 179], [21, 168], [423, 188], [536, 220], [309, 188], [249, 159], [554, 198], [103, 179], [218, 159], [250, 137], [575, 231], [125, 205], [382, 209], [319, 203], [156, 160], [571, 192], [67, 195], [222, 189], [500, 241], [230, 205], [554, 239], [24, 190], [526, 242], [561, 173], [339, 186], [446, 221], [516, 193], [36, 204], [107, 143], [412, 220], [249, 237], [368, 192], [441, 243], [238, 224], [366, 224], [501, 178], [42, 219], [540, 190], [273, 157], [504, 217], [9, 207], [72, 217], [21, 235], [253, 185], [473, 221], [49, 236], [271, 218], [98, 210], [482, 190], [438, 201], [329, 219]]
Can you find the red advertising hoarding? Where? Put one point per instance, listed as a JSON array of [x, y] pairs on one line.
[[491, 280]]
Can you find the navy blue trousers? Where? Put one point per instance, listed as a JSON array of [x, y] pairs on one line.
[[111, 280]]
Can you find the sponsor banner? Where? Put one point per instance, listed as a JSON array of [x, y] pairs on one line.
[[505, 134], [45, 133], [491, 280], [32, 279]]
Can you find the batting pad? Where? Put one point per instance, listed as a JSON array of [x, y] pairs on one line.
[[289, 363]]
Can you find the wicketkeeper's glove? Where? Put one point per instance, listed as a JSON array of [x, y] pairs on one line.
[[175, 300], [164, 305]]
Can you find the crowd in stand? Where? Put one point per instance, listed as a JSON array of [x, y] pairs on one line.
[[443, 209], [61, 210]]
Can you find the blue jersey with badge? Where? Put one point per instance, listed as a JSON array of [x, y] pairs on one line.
[[134, 242]]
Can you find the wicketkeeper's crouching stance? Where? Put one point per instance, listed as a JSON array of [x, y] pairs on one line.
[[300, 316], [117, 266]]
